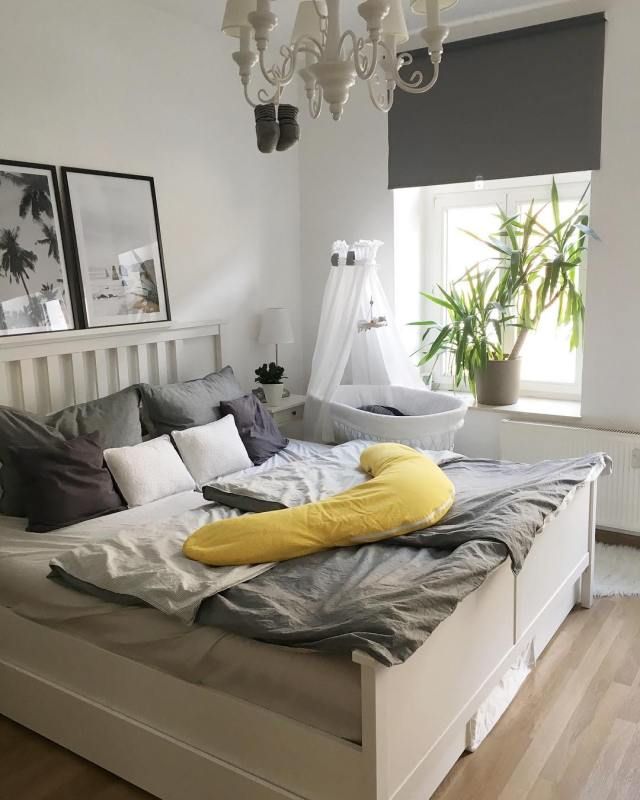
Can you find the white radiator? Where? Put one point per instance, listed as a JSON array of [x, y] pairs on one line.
[[618, 495]]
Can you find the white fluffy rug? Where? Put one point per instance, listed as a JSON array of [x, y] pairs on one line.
[[617, 571]]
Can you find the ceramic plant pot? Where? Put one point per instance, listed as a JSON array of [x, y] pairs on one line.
[[273, 392], [499, 383]]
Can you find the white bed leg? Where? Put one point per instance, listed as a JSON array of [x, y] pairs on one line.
[[586, 582]]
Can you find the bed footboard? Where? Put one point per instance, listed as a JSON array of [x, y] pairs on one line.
[[415, 715]]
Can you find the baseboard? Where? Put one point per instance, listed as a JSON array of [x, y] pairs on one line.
[[616, 537]]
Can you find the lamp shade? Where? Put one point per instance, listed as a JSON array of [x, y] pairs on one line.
[[394, 24], [236, 16], [307, 20], [276, 327], [420, 6]]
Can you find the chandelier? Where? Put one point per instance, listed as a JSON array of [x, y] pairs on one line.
[[330, 60]]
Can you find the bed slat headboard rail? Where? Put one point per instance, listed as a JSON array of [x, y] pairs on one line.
[[56, 370]]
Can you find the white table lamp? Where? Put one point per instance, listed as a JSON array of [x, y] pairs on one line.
[[275, 328]]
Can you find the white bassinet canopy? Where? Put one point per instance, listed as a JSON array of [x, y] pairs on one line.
[[377, 355]]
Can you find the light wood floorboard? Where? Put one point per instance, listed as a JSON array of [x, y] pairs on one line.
[[573, 732]]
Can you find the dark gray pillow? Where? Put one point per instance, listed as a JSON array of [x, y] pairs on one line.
[[115, 417], [68, 483], [179, 406], [240, 501], [256, 426], [19, 429]]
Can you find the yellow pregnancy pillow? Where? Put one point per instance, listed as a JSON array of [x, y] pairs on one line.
[[407, 492]]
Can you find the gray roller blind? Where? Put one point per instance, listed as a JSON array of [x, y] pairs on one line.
[[525, 102]]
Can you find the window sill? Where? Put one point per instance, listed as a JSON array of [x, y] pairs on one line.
[[534, 408]]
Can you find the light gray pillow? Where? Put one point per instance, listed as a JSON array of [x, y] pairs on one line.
[[19, 429], [115, 417], [179, 406]]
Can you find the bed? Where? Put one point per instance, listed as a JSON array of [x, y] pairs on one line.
[[196, 726]]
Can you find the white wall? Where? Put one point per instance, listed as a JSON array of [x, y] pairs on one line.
[[348, 196], [611, 385], [122, 86], [343, 179]]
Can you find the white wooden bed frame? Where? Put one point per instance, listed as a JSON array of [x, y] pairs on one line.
[[178, 740]]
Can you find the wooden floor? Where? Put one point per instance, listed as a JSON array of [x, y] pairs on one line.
[[573, 732]]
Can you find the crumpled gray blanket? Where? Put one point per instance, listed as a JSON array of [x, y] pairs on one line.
[[499, 501], [387, 598]]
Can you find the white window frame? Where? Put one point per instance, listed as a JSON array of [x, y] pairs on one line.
[[507, 193]]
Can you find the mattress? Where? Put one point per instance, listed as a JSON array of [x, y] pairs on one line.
[[320, 690]]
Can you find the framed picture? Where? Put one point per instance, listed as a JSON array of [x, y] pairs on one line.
[[118, 249], [34, 284]]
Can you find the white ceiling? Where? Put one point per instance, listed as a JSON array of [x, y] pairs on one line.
[[209, 12]]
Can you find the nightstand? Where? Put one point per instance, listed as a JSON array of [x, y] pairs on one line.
[[289, 414]]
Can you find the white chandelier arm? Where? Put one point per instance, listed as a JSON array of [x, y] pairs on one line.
[[273, 74], [415, 83], [263, 97], [382, 98], [413, 89], [282, 75], [365, 66], [309, 46], [266, 99], [246, 96]]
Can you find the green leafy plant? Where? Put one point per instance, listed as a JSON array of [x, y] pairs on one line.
[[270, 373], [475, 331], [533, 269], [540, 265]]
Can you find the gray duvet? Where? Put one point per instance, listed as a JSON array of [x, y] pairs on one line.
[[387, 598]]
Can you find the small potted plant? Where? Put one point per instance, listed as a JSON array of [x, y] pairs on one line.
[[270, 376]]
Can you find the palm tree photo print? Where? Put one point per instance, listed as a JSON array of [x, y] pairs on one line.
[[34, 294]]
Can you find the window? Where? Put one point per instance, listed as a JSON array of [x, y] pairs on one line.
[[549, 367]]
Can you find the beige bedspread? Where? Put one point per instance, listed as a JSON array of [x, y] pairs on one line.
[[317, 689]]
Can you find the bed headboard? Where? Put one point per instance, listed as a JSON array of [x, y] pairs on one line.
[[47, 372]]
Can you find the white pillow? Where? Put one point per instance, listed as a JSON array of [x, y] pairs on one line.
[[148, 471], [212, 450]]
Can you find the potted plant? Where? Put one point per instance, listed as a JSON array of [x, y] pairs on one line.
[[270, 376], [534, 270], [475, 332]]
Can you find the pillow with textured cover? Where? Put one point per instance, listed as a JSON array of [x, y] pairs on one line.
[[407, 492], [116, 417], [68, 483], [257, 427], [179, 406], [212, 450], [148, 471]]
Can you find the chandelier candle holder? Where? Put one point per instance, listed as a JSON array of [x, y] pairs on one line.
[[329, 60]]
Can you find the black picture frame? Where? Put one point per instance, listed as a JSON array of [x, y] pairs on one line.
[[65, 289], [91, 299]]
